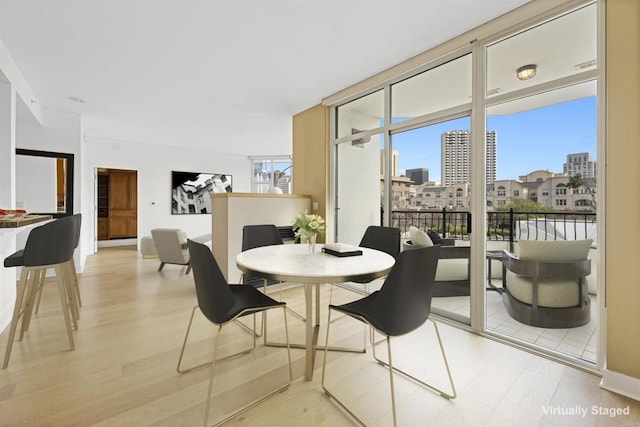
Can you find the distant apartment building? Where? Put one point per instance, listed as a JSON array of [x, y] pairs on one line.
[[547, 188], [429, 196], [418, 176], [580, 164], [402, 190], [544, 187], [455, 157], [395, 160]]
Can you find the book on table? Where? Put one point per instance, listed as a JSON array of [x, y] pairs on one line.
[[341, 249]]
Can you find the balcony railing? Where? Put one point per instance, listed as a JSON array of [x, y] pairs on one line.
[[502, 225]]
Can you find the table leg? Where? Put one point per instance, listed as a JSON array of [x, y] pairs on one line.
[[318, 305], [312, 330], [310, 345]]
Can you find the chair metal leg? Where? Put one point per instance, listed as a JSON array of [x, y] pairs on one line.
[[161, 266], [392, 369], [245, 327], [213, 366], [184, 344], [188, 268], [260, 399], [264, 315], [393, 390], [248, 329], [17, 312], [293, 312], [444, 394], [324, 368]]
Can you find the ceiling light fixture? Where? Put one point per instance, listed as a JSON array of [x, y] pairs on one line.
[[526, 72]]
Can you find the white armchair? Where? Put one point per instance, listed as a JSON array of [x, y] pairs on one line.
[[171, 245], [546, 283]]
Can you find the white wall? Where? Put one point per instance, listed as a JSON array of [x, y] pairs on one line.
[[60, 132], [36, 184], [154, 165]]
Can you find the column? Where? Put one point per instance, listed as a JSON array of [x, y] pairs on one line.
[[7, 197], [7, 145]]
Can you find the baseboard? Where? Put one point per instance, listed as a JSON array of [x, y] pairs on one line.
[[117, 242], [621, 384]]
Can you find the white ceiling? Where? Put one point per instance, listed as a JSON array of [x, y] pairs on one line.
[[221, 76]]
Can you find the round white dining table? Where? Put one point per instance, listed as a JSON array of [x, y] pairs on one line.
[[294, 263]]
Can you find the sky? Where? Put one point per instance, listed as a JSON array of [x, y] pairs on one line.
[[538, 139]]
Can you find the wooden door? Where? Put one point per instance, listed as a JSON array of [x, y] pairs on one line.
[[123, 204]]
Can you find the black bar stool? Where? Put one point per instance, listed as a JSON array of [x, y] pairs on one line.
[[70, 267], [49, 246]]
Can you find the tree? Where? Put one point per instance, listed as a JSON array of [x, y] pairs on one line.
[[522, 205]]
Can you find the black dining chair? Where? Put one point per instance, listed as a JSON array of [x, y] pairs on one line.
[[48, 246], [402, 305], [384, 239], [257, 236], [222, 303]]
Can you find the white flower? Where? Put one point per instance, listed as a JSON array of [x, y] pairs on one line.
[[307, 225]]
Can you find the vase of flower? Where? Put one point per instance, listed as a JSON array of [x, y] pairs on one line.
[[312, 243], [307, 227]]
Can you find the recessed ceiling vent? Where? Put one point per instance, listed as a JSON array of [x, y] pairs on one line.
[[586, 65]]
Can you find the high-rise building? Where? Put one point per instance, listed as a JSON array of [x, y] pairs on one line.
[[580, 163], [418, 176], [455, 156], [395, 165]]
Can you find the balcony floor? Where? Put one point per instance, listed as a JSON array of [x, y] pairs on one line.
[[579, 343]]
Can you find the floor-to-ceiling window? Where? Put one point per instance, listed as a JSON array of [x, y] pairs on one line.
[[415, 142], [542, 105]]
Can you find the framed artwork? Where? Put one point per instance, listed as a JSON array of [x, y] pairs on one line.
[[191, 191]]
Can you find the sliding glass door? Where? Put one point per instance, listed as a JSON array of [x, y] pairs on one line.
[[431, 192]]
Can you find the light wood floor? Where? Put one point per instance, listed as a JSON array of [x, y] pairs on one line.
[[132, 323]]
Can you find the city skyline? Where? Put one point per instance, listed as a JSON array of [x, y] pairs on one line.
[[536, 139]]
